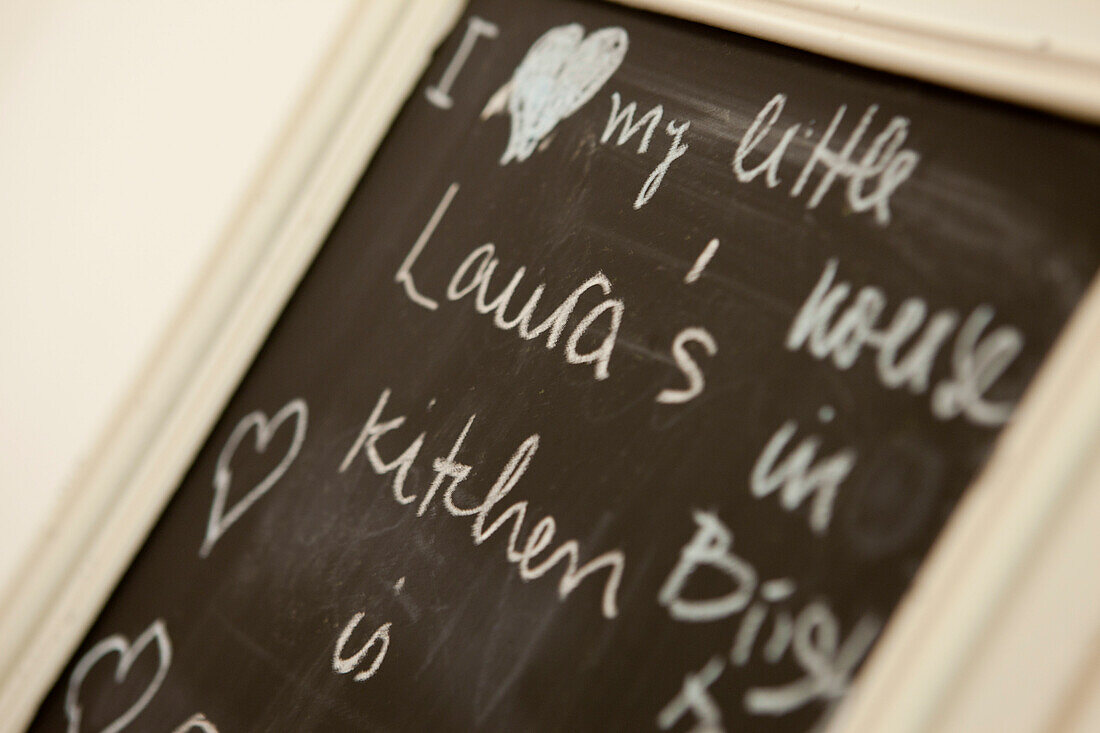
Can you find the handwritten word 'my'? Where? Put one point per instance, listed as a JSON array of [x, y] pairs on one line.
[[872, 179], [629, 128]]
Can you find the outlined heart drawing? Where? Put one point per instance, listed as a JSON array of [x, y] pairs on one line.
[[559, 74], [220, 520], [127, 655]]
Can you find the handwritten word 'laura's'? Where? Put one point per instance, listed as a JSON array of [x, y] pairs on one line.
[[871, 180], [474, 277], [977, 361]]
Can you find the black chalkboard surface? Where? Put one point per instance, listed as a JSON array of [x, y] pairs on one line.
[[641, 371]]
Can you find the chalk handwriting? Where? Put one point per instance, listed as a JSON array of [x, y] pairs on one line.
[[711, 546], [404, 272], [811, 637], [977, 362], [475, 276], [463, 283], [155, 637], [871, 180], [198, 722], [828, 664], [694, 698], [797, 476], [560, 73], [701, 262], [220, 520], [440, 94], [650, 120], [448, 469], [688, 366], [347, 665], [625, 117]]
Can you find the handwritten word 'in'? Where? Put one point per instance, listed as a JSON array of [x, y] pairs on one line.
[[800, 474]]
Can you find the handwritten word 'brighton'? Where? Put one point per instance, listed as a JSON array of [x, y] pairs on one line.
[[811, 637]]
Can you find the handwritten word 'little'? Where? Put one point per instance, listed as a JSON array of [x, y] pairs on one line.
[[872, 180]]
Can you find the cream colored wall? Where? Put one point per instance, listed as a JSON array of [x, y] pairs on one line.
[[128, 132]]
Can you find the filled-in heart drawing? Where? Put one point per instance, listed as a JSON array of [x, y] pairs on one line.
[[156, 633], [220, 519], [560, 73]]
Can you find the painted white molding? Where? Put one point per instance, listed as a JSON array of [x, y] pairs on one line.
[[1042, 55], [109, 508], [1041, 464]]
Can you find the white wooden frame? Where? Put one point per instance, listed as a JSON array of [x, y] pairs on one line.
[[1045, 461]]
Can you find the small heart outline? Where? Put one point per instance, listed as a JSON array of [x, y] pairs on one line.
[[560, 73], [219, 521], [128, 653]]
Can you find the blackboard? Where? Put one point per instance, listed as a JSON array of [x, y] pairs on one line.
[[784, 307]]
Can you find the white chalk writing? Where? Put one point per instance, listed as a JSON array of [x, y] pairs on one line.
[[811, 637], [154, 637], [220, 520], [440, 94], [650, 120], [883, 167], [347, 665], [977, 362], [448, 469], [797, 476]]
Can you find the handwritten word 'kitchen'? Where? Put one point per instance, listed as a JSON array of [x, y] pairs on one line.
[[450, 470]]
